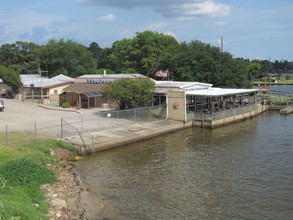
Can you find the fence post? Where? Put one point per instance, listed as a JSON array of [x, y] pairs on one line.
[[99, 120], [6, 136], [61, 128], [117, 117], [35, 130], [81, 125]]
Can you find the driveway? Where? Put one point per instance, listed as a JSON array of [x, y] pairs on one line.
[[30, 117]]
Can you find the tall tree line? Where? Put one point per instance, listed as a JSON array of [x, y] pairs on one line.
[[145, 53]]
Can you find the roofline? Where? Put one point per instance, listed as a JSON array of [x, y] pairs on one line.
[[222, 94], [55, 85]]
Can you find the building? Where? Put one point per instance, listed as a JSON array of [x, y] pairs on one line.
[[86, 92], [5, 90], [206, 105], [43, 89]]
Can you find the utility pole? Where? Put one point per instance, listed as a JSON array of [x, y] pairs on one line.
[[222, 43]]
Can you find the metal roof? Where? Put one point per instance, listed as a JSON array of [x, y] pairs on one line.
[[112, 76], [92, 94], [181, 85], [219, 92], [43, 82]]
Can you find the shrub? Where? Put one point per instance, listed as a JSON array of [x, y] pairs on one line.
[[65, 105], [24, 171], [20, 181]]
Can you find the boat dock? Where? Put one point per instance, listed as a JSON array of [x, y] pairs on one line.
[[286, 111]]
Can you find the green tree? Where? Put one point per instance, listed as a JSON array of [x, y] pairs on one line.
[[21, 54], [120, 56], [66, 57], [10, 77], [130, 93], [254, 70], [140, 54], [100, 55]]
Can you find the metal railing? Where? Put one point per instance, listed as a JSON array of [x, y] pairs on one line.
[[110, 119], [11, 135], [222, 114]]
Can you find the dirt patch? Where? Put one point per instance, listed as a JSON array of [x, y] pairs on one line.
[[64, 195]]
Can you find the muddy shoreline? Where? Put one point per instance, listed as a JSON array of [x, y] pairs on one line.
[[67, 196]]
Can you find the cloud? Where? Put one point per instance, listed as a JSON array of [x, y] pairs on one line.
[[220, 24], [108, 17], [127, 3], [169, 33], [156, 26], [206, 8], [185, 9]]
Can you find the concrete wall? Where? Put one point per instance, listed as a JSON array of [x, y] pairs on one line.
[[215, 123], [176, 102]]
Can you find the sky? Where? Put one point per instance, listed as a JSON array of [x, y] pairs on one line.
[[251, 29]]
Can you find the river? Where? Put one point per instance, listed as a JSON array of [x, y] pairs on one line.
[[240, 171]]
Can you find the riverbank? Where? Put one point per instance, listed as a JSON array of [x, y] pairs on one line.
[[64, 195], [38, 181]]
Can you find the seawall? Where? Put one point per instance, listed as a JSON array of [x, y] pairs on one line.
[[110, 139]]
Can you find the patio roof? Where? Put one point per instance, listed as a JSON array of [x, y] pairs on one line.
[[219, 92]]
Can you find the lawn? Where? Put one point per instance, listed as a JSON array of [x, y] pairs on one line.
[[22, 171]]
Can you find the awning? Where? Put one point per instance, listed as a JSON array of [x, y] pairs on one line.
[[92, 94]]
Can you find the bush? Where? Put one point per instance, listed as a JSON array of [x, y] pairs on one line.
[[24, 171], [20, 181], [65, 105]]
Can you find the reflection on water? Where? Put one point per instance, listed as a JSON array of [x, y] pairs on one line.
[[241, 171]]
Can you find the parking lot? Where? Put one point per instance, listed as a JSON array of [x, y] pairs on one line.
[[85, 126], [31, 117]]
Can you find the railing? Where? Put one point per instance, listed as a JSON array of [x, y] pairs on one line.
[[110, 119], [14, 134], [220, 115]]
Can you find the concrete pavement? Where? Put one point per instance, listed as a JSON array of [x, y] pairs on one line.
[[46, 122]]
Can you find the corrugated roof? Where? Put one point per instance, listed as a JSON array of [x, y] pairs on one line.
[[62, 77], [112, 76], [43, 82], [181, 85], [219, 92]]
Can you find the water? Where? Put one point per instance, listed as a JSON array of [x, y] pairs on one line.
[[240, 171], [282, 89]]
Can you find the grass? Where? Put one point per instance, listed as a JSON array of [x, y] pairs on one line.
[[22, 171], [279, 82]]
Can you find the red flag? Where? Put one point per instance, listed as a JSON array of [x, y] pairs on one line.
[[162, 74]]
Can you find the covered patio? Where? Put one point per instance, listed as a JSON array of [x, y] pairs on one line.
[[217, 99], [82, 95]]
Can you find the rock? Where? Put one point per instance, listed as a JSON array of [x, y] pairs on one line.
[[63, 195], [59, 203], [71, 202]]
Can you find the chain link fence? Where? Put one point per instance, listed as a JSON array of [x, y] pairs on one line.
[[78, 128], [110, 119], [12, 135], [87, 130]]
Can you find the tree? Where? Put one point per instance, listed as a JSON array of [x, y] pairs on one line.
[[100, 55], [21, 54], [10, 77], [130, 93], [120, 56], [140, 54], [254, 70], [66, 57]]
